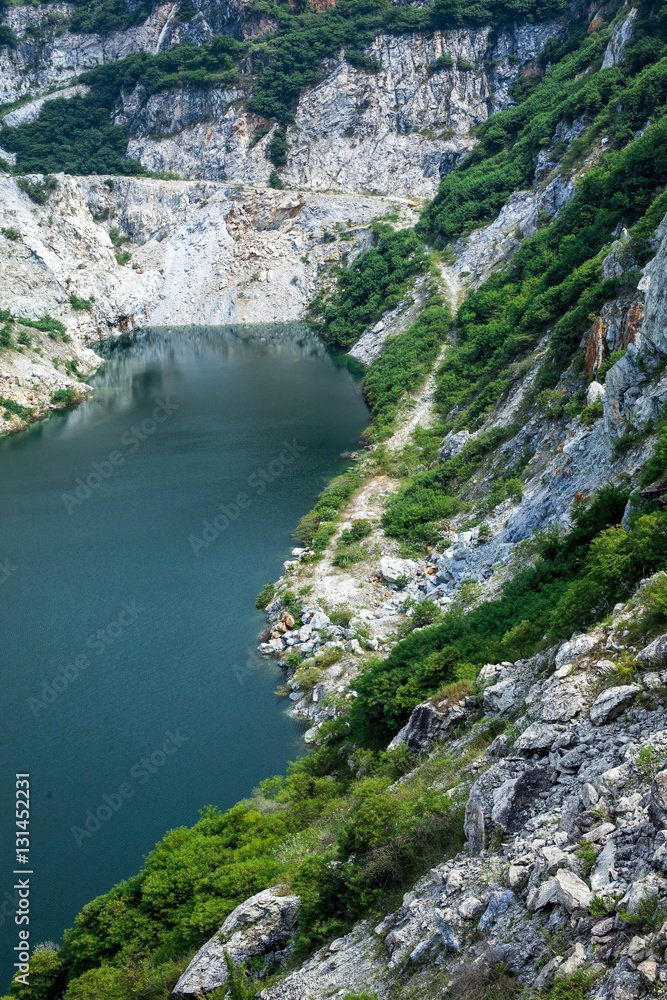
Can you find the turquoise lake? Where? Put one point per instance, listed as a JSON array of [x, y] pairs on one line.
[[135, 532]]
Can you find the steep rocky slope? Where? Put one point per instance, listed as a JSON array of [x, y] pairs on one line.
[[395, 131]]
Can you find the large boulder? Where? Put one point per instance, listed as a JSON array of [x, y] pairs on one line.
[[571, 891], [427, 725], [574, 649], [500, 697], [655, 654], [516, 799], [604, 871], [393, 569], [454, 445], [261, 927], [612, 702], [538, 738]]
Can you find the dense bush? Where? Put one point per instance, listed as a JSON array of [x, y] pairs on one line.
[[374, 283], [342, 842], [318, 525], [74, 136]]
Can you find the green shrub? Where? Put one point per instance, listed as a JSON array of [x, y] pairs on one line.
[[341, 615], [649, 914], [592, 413], [265, 596], [551, 403], [424, 613], [375, 282], [11, 233], [350, 554], [359, 529], [11, 408], [7, 37], [6, 339], [588, 856], [330, 502], [65, 397], [37, 191], [277, 148], [46, 969], [444, 61], [81, 304]]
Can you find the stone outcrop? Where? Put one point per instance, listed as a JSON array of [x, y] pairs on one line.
[[622, 34], [396, 131], [190, 263], [261, 927], [536, 809], [47, 55]]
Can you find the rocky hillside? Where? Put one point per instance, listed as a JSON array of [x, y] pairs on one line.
[[472, 625]]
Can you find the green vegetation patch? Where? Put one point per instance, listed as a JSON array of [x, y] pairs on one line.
[[404, 364], [319, 524], [344, 843], [377, 281]]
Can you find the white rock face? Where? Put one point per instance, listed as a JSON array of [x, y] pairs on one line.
[[595, 391], [571, 891], [393, 569], [204, 253], [260, 926], [603, 872], [612, 702], [396, 131], [615, 51], [34, 66], [654, 284]]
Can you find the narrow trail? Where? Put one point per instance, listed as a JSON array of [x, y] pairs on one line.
[[421, 404]]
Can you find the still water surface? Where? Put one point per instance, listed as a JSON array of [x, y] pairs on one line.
[[126, 641]]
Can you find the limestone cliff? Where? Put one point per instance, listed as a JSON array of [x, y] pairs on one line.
[[396, 131], [558, 761]]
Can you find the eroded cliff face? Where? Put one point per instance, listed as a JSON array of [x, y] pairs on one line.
[[396, 131], [48, 55]]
